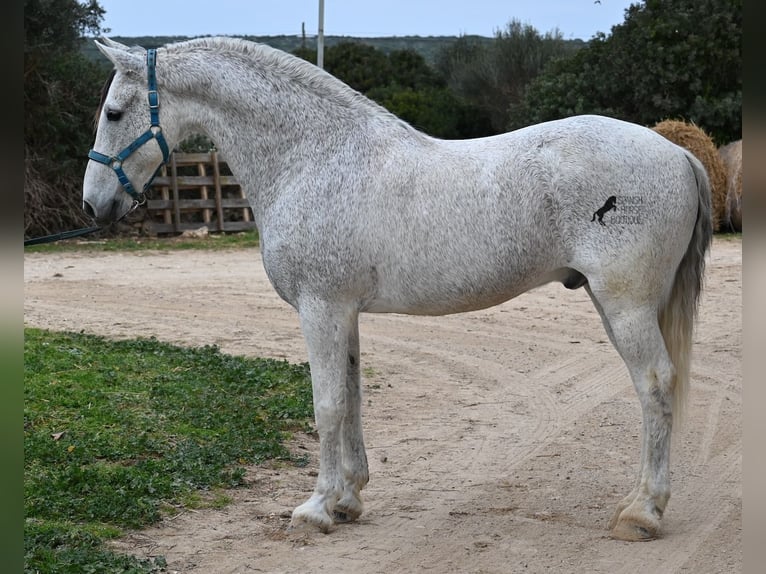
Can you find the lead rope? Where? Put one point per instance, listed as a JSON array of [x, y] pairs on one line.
[[79, 232], [59, 236]]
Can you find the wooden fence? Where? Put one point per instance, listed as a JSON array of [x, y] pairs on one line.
[[196, 190]]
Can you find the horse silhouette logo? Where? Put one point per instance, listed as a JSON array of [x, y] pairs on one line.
[[609, 205]]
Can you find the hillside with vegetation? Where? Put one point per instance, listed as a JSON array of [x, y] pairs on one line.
[[429, 47]]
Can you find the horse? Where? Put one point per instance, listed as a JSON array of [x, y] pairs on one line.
[[360, 212]]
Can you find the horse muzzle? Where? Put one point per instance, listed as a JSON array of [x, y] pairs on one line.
[[110, 212]]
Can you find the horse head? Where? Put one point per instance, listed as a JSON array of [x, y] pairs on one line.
[[130, 144]]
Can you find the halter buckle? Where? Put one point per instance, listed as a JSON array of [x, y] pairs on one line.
[[154, 99]]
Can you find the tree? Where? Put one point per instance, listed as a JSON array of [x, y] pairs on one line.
[[433, 110], [679, 59], [361, 66], [61, 94], [494, 77], [410, 70], [58, 25], [404, 84]]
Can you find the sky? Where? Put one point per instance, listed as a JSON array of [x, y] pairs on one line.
[[360, 18]]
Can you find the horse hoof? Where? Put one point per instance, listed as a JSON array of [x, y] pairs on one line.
[[343, 513], [341, 517], [307, 518], [635, 529]]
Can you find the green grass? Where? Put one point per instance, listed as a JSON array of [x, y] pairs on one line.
[[119, 433], [241, 240], [728, 236]]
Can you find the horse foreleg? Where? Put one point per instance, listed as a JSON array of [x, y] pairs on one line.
[[326, 329], [355, 471], [636, 335]]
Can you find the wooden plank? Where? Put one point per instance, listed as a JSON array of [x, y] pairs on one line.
[[156, 227], [197, 204], [245, 212], [238, 225], [217, 183], [192, 158], [203, 192], [194, 180], [174, 176], [165, 192]]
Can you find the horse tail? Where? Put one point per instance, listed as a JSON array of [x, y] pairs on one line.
[[679, 312]]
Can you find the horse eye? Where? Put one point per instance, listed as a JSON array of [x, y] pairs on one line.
[[113, 115]]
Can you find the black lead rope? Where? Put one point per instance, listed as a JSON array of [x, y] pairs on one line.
[[83, 230], [59, 236]]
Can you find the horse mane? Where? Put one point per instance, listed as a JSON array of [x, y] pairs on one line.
[[297, 70], [104, 92]]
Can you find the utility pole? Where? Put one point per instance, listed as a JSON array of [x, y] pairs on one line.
[[320, 36]]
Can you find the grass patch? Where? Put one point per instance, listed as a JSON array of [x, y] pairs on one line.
[[369, 372], [117, 433], [213, 241], [728, 236]]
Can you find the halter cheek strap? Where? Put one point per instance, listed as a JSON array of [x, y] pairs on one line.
[[154, 132]]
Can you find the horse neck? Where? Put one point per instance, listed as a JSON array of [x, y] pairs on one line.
[[271, 126]]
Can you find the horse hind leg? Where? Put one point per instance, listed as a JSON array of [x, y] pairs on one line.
[[635, 332]]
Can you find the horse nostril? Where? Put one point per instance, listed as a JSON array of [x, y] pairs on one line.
[[88, 209]]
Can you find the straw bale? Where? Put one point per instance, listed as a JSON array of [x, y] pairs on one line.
[[731, 156], [697, 141]]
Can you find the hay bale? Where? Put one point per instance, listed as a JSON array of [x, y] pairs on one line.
[[694, 139], [731, 156]]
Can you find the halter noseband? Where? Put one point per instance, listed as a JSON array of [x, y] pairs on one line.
[[154, 132]]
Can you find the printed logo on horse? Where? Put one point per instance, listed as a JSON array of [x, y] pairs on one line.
[[631, 210]]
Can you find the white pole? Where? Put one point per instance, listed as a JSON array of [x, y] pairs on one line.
[[320, 36]]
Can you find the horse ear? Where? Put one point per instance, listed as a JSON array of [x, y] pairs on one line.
[[125, 59], [113, 43]]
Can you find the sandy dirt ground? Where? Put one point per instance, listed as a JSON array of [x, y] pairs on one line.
[[499, 441]]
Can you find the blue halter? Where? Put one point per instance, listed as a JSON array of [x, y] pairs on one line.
[[154, 132]]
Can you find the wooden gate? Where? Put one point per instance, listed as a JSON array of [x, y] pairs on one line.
[[197, 190]]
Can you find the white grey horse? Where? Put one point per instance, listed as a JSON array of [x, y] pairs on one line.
[[359, 212]]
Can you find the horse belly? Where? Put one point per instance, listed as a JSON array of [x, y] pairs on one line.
[[443, 291]]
